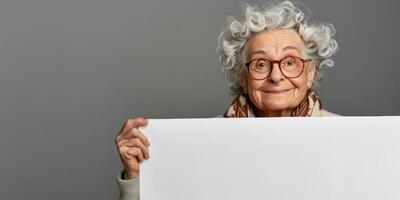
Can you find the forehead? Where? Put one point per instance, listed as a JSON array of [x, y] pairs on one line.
[[274, 41]]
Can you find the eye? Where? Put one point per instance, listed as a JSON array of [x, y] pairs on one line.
[[262, 64], [290, 61]]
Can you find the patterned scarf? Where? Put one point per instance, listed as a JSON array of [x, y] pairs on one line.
[[310, 106]]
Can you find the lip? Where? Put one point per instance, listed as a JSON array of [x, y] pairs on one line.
[[276, 91]]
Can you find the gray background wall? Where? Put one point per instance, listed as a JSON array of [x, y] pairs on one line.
[[71, 73]]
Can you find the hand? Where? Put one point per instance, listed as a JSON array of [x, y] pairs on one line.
[[132, 146]]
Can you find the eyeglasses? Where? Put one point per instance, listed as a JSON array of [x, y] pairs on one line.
[[291, 67]]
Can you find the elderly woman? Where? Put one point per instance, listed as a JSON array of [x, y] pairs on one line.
[[272, 60]]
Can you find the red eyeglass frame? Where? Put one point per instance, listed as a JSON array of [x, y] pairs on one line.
[[279, 65]]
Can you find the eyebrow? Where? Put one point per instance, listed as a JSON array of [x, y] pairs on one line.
[[291, 47], [284, 49]]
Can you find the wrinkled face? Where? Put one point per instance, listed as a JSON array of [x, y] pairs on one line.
[[277, 92]]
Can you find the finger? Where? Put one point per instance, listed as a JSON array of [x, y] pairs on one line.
[[137, 152], [133, 142], [123, 152], [129, 124], [134, 122], [135, 133], [136, 142]]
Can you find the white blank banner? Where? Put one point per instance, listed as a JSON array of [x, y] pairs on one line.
[[310, 158]]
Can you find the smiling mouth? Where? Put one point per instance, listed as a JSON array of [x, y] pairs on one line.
[[276, 91]]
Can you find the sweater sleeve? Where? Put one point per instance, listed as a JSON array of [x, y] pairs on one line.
[[129, 189]]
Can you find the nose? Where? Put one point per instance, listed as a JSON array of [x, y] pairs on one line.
[[276, 75]]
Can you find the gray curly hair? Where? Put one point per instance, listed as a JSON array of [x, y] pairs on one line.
[[231, 46]]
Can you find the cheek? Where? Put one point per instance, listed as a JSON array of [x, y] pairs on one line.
[[300, 85], [255, 93]]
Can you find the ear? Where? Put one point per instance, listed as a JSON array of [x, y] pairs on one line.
[[312, 65]]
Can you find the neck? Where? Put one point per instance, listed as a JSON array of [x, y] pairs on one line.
[[272, 113]]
